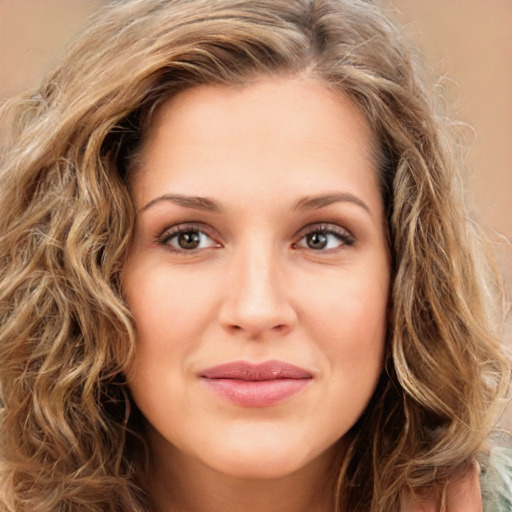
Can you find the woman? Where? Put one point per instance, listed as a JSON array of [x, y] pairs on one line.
[[238, 272]]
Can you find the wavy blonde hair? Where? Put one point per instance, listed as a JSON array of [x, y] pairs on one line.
[[66, 334]]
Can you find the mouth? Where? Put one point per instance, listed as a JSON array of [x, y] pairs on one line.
[[256, 385]]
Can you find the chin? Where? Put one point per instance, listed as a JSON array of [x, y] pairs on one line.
[[257, 466], [259, 457]]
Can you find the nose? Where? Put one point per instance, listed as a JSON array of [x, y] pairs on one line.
[[257, 302]]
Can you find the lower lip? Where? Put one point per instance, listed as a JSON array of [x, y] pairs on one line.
[[260, 393]]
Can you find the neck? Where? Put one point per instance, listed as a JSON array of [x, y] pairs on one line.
[[186, 485]]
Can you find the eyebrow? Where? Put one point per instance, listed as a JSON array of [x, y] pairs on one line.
[[306, 203], [322, 200], [193, 202]]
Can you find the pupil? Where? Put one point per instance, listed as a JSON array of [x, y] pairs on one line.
[[189, 240], [317, 240]]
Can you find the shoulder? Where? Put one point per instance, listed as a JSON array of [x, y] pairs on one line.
[[486, 487], [463, 494]]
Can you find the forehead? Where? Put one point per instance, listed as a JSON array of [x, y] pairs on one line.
[[284, 132], [256, 109]]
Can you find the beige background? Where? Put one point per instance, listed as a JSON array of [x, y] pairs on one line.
[[469, 41]]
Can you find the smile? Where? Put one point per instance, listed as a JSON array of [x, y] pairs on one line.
[[261, 385]]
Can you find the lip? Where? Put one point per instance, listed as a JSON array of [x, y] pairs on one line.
[[256, 385]]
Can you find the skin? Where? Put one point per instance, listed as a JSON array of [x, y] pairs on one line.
[[255, 289], [462, 494]]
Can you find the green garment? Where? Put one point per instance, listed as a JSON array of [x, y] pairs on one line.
[[496, 478]]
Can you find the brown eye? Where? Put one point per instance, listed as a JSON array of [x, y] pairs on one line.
[[316, 240], [189, 240], [184, 239], [325, 238]]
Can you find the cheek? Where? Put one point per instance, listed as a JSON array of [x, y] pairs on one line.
[[349, 306], [348, 319], [354, 327], [168, 305], [171, 314]]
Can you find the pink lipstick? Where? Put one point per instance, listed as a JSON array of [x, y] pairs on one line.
[[256, 385]]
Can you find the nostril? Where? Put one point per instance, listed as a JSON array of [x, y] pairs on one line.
[[280, 328]]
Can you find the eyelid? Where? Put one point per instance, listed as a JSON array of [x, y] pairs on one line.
[[345, 236], [182, 227]]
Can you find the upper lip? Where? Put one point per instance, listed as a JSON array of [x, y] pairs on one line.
[[269, 370]]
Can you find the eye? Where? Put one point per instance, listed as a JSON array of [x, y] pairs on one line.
[[186, 239], [325, 238]]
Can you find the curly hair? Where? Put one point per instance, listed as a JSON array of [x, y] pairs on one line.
[[66, 333]]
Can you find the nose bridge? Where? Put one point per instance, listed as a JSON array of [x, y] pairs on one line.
[[257, 300], [257, 275]]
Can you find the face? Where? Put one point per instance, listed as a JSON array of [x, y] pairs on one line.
[[258, 276]]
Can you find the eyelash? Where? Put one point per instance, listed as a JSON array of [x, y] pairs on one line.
[[345, 238], [169, 233]]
